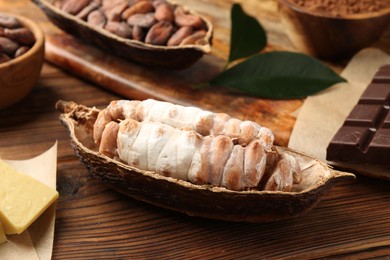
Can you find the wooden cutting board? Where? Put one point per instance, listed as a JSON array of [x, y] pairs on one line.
[[134, 81]]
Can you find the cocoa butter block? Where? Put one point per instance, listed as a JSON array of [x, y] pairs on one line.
[[364, 137]]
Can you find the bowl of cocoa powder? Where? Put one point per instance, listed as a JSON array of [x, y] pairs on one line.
[[21, 57], [334, 30]]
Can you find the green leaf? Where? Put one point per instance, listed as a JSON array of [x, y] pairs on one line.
[[278, 75], [247, 35]]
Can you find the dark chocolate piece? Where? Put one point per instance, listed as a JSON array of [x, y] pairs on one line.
[[364, 137]]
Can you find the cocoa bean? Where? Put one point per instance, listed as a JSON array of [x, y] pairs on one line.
[[159, 33], [158, 2], [108, 4], [21, 50], [4, 58], [74, 6], [164, 12], [8, 21], [138, 33], [120, 29], [195, 38], [114, 13], [22, 36], [141, 7], [9, 46], [83, 14], [180, 35], [183, 18], [97, 18], [142, 20]]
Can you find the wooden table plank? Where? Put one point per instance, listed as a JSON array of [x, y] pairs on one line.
[[94, 222]]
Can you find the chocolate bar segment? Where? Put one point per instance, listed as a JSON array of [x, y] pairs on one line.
[[364, 137]]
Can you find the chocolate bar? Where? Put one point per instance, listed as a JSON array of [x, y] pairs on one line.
[[364, 137]]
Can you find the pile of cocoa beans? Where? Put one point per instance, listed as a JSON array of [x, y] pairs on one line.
[[15, 39], [156, 22]]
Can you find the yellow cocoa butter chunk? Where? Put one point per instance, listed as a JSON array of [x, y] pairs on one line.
[[3, 238], [22, 199]]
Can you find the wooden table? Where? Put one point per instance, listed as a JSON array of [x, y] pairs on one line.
[[94, 222]]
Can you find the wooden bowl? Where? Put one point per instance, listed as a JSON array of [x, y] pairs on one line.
[[18, 76], [329, 37]]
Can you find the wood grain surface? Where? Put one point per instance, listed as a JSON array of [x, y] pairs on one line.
[[94, 222]]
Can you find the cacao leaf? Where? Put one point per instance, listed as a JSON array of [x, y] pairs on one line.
[[247, 35], [278, 75]]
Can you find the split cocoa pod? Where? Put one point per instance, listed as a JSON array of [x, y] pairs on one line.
[[149, 175], [155, 33]]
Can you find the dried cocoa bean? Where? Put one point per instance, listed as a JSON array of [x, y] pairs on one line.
[[97, 18], [183, 18], [142, 20], [83, 14], [74, 6], [180, 35], [58, 4], [22, 36], [141, 7], [108, 4], [158, 2], [4, 58], [8, 21], [164, 12], [21, 50], [195, 38], [9, 46], [120, 29], [138, 33], [114, 13], [159, 33]]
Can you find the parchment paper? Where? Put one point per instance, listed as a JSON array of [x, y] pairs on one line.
[[37, 241], [323, 114]]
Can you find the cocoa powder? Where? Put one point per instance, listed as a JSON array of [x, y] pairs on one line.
[[342, 8]]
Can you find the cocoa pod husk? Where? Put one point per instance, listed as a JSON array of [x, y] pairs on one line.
[[159, 33], [180, 35], [141, 7]]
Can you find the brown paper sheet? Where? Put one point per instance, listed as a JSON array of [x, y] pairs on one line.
[[322, 115], [37, 241]]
